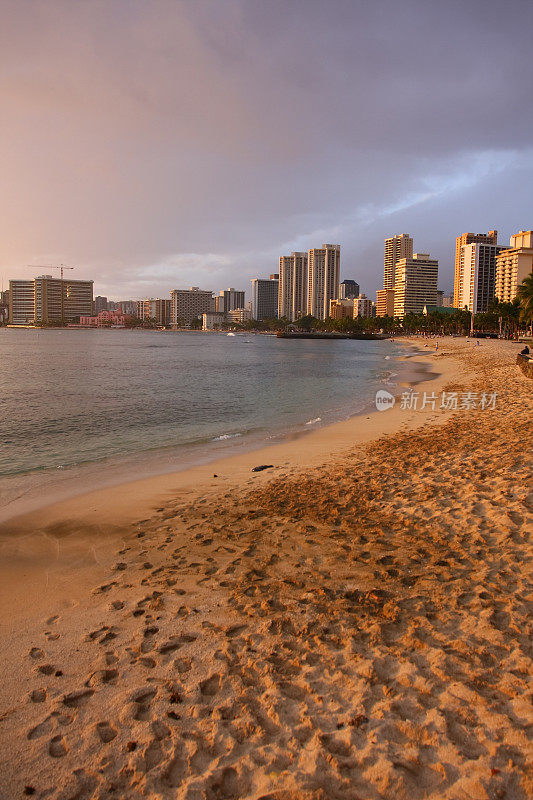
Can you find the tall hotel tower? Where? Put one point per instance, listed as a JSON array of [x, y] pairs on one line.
[[292, 297], [396, 247], [459, 288], [324, 278]]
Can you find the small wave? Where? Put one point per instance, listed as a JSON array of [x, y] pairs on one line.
[[226, 436], [314, 421]]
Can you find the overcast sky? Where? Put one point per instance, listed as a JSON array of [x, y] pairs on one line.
[[158, 144]]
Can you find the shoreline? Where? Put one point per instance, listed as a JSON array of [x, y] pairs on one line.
[[417, 370], [108, 473]]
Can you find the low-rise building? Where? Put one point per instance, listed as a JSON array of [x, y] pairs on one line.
[[339, 309], [239, 316], [105, 319], [213, 320]]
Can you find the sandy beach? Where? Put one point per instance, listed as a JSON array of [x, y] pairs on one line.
[[353, 622]]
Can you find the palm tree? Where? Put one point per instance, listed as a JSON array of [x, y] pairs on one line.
[[525, 296]]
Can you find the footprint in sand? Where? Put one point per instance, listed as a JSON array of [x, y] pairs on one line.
[[46, 669], [36, 653], [38, 696], [77, 699], [41, 729], [57, 747], [210, 686], [106, 732]]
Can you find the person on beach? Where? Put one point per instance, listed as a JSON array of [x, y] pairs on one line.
[[525, 351]]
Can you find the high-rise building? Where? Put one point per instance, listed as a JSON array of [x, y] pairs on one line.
[[467, 238], [189, 304], [228, 300], [415, 284], [157, 309], [363, 307], [100, 304], [265, 297], [292, 293], [513, 265], [385, 303], [21, 302], [45, 300], [478, 276], [323, 278], [348, 289], [396, 247]]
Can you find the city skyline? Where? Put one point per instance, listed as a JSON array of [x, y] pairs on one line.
[[144, 144]]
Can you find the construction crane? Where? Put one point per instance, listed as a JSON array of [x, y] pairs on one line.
[[60, 267]]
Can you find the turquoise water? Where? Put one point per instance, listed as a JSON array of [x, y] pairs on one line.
[[72, 398]]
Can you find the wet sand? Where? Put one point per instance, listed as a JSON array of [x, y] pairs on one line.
[[352, 623]]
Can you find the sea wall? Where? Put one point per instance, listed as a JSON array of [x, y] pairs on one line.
[[526, 365]]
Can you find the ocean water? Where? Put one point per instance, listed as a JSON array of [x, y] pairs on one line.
[[74, 404]]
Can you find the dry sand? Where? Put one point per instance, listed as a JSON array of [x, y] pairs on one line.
[[351, 624]]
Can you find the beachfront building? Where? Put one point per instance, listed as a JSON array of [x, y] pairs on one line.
[[228, 300], [323, 278], [238, 316], [339, 309], [47, 300], [415, 284], [105, 319], [292, 290], [363, 307], [348, 289], [213, 320], [461, 241], [396, 247], [513, 265], [265, 292], [21, 302], [385, 303], [189, 304], [478, 276], [157, 309]]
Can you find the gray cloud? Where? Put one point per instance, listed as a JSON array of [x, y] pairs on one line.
[[165, 144]]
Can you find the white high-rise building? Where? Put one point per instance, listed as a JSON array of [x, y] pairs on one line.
[[478, 264], [324, 266], [513, 265], [396, 247], [415, 284], [292, 290]]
